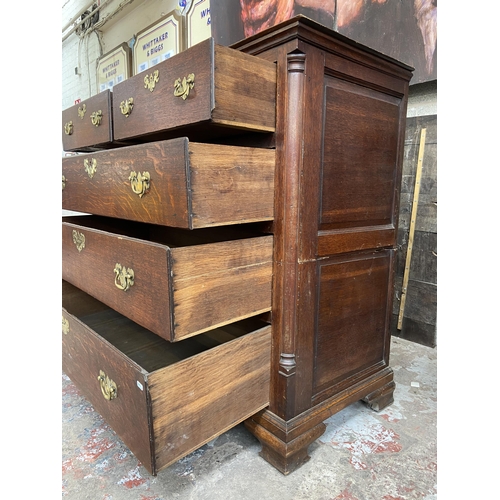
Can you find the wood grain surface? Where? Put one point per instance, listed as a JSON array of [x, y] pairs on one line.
[[192, 185], [223, 78], [87, 136], [177, 292]]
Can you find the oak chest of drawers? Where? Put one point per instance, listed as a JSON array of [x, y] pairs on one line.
[[238, 261]]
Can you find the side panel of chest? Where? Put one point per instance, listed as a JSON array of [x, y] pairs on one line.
[[341, 113], [357, 219]]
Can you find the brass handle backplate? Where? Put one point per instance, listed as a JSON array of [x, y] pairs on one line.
[[182, 87], [124, 278], [68, 128], [65, 326], [151, 80], [108, 386], [96, 118], [127, 106], [90, 166], [140, 183], [82, 110], [78, 240], [63, 182]]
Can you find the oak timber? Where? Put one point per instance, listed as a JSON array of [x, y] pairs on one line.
[[191, 289], [191, 185]]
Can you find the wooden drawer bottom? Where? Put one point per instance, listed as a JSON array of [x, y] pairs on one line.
[[164, 399]]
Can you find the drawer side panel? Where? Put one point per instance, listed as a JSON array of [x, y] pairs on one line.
[[245, 90], [201, 397], [220, 283], [231, 184]]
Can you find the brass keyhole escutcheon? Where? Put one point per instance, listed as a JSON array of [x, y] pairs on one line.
[[108, 387], [65, 326], [63, 182], [140, 183], [127, 106], [82, 110], [68, 128], [151, 80], [96, 118], [78, 240], [182, 87], [90, 166], [124, 277]]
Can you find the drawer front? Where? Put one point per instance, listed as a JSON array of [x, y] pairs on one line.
[[84, 356], [164, 400], [129, 275], [88, 124], [174, 183], [175, 293], [206, 83]]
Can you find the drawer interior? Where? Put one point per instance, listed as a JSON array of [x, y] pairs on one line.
[[148, 350], [172, 237]]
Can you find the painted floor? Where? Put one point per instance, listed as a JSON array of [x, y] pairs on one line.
[[363, 455]]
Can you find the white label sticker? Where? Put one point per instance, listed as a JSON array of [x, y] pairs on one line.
[[140, 386]]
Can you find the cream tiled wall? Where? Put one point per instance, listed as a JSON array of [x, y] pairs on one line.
[[119, 21]]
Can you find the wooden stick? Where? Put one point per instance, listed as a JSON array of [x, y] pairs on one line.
[[414, 208]]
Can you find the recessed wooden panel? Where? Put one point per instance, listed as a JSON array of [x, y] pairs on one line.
[[360, 155], [352, 317]]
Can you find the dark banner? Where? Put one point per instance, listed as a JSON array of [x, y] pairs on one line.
[[403, 29]]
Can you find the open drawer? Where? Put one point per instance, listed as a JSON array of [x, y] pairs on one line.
[[88, 126], [163, 399], [176, 283], [175, 183], [219, 88]]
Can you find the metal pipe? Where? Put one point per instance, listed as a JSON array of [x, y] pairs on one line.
[[98, 8], [77, 16]]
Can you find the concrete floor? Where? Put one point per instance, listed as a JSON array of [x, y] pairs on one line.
[[363, 455]]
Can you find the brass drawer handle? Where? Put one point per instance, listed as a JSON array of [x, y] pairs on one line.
[[124, 278], [127, 106], [108, 386], [96, 118], [140, 183], [151, 81], [63, 182], [68, 128], [65, 326], [82, 110], [90, 166], [182, 87], [78, 240]]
